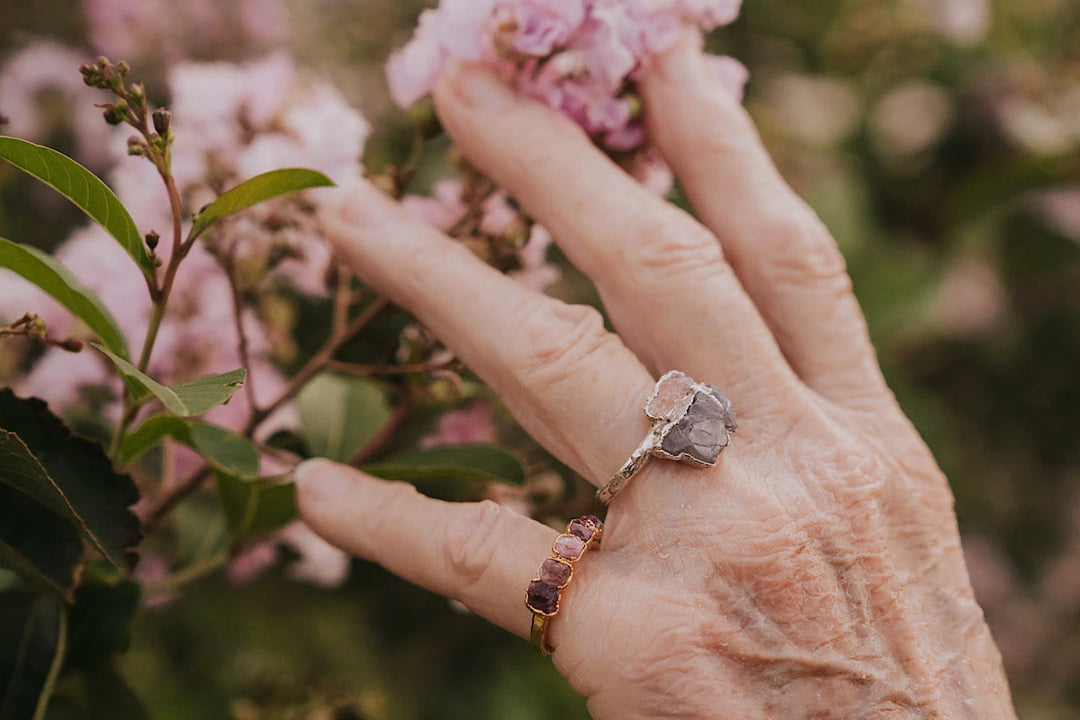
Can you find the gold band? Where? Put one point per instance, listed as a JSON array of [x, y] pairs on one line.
[[539, 627], [544, 592]]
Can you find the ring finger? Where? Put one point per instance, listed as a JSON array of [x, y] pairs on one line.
[[481, 554]]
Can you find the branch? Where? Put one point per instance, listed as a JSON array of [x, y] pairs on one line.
[[229, 265], [401, 412], [365, 370], [173, 498], [318, 362]]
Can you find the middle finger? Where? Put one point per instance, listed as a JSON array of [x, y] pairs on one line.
[[662, 275]]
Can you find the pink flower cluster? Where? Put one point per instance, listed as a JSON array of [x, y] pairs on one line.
[[445, 208], [159, 30], [577, 56], [231, 122], [46, 71]]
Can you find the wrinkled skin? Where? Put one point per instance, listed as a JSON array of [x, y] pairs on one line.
[[816, 570]]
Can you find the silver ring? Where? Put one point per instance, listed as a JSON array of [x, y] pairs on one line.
[[692, 423]]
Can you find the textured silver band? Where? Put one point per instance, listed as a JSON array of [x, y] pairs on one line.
[[692, 423], [629, 469]]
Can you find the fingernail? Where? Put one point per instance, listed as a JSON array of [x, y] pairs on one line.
[[321, 482], [478, 86]]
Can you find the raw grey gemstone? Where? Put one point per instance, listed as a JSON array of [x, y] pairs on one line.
[[729, 409], [701, 433]]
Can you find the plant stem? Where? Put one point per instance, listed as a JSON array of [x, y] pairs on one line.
[[229, 264], [362, 370], [173, 498], [54, 668], [160, 299], [179, 251], [318, 362], [195, 571], [387, 431]]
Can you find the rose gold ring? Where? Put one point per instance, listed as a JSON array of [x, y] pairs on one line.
[[555, 573]]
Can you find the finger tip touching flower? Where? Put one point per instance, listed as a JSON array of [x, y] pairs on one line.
[[354, 206], [473, 85]]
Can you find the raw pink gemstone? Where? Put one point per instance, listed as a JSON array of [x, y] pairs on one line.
[[672, 388], [555, 573], [582, 529], [569, 546]]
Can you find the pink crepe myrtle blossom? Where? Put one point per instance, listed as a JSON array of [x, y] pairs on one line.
[[580, 57], [444, 208], [47, 68], [474, 424], [161, 31], [231, 122], [536, 272], [320, 563]]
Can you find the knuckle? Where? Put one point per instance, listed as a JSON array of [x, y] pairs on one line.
[[396, 505], [471, 540], [804, 253], [559, 340], [670, 246]]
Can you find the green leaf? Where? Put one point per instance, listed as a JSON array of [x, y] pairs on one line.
[[201, 529], [256, 506], [81, 187], [44, 271], [109, 696], [39, 545], [459, 463], [185, 399], [340, 414], [33, 634], [222, 448], [72, 477], [257, 189], [99, 622]]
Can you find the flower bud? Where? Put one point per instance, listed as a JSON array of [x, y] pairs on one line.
[[91, 75], [162, 120], [152, 239], [71, 344], [137, 91], [112, 116], [136, 146]]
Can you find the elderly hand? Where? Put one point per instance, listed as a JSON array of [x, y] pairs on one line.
[[816, 570]]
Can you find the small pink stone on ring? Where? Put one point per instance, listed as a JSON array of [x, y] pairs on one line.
[[555, 573], [671, 391], [569, 546], [582, 529]]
